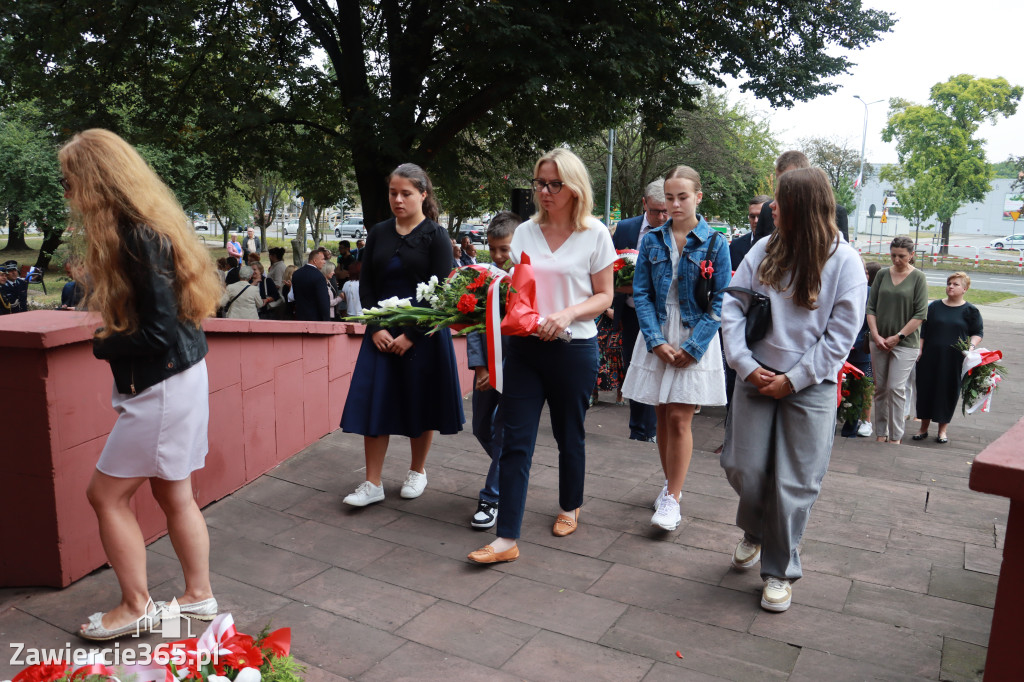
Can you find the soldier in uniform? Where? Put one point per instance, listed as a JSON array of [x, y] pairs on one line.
[[5, 306], [17, 288]]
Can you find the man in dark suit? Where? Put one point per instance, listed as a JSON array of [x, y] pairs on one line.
[[739, 247], [310, 292], [766, 224], [642, 420]]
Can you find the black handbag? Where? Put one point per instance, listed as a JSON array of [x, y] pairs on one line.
[[759, 315], [702, 292]]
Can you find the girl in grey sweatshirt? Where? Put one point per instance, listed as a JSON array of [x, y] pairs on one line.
[[780, 429]]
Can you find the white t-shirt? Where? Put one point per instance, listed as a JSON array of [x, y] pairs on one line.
[[351, 292], [563, 277]]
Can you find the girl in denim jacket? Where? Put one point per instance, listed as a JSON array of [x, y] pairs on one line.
[[681, 365]]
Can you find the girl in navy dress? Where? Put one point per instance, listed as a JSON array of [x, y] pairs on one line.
[[405, 382]]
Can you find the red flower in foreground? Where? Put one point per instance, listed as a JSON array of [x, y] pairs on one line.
[[250, 658], [467, 304], [42, 672], [618, 264], [480, 280], [846, 394]]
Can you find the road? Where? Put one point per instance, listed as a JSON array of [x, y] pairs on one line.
[[961, 245], [1013, 284]]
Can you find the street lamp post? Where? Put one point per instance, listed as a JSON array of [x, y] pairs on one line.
[[860, 175], [608, 183]]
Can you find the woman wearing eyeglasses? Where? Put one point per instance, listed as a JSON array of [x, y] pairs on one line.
[[572, 254], [156, 285]]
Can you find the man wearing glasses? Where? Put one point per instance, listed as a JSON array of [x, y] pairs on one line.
[[642, 421]]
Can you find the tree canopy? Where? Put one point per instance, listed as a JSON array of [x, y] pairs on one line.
[[29, 174], [733, 151], [404, 80], [937, 148], [840, 161]]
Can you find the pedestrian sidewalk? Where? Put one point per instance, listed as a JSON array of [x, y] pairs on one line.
[[1010, 311], [900, 562]]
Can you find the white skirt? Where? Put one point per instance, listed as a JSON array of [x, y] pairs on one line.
[[162, 431], [651, 381]]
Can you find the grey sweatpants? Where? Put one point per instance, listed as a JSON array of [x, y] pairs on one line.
[[776, 453]]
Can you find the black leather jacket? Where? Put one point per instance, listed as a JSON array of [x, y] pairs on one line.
[[162, 345]]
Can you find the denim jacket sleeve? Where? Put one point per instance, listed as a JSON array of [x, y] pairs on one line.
[[708, 324], [645, 295]]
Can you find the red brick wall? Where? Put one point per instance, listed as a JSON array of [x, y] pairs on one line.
[[275, 388]]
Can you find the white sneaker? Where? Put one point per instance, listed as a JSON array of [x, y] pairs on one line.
[[663, 493], [776, 595], [366, 493], [746, 555], [667, 516], [415, 483], [865, 430]]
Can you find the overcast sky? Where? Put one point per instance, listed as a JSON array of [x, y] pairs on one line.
[[931, 41]]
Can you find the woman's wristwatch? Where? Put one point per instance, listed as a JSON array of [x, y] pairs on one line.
[[901, 335]]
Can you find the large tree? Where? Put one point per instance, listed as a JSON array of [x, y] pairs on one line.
[[29, 192], [405, 79], [936, 144]]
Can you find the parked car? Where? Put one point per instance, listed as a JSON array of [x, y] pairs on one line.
[[290, 227], [351, 228], [1013, 241], [202, 227], [477, 233]]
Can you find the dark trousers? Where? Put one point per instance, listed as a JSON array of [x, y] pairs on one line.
[[643, 423], [488, 427], [563, 375]]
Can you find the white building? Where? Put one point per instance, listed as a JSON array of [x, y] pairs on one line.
[[989, 217]]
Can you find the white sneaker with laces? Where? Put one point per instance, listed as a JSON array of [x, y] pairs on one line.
[[366, 493], [865, 430], [415, 483], [663, 493], [667, 517], [776, 595], [746, 555]]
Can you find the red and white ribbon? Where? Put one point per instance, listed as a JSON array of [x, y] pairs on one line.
[[492, 317], [977, 358]]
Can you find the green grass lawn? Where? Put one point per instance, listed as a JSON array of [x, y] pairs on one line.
[[975, 296]]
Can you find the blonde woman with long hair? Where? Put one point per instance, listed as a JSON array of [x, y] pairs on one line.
[[152, 283], [572, 254], [779, 433]]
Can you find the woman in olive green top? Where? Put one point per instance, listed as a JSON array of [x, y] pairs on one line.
[[897, 305]]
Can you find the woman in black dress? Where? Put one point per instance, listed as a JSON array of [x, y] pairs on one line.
[[405, 382], [940, 364]]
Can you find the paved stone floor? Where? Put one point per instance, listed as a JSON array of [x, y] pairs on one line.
[[900, 562]]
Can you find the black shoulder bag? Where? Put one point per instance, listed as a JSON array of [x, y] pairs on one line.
[[759, 314], [702, 289]]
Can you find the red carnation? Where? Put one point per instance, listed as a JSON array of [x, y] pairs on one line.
[[42, 672], [467, 304], [618, 265], [480, 280], [846, 393]]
